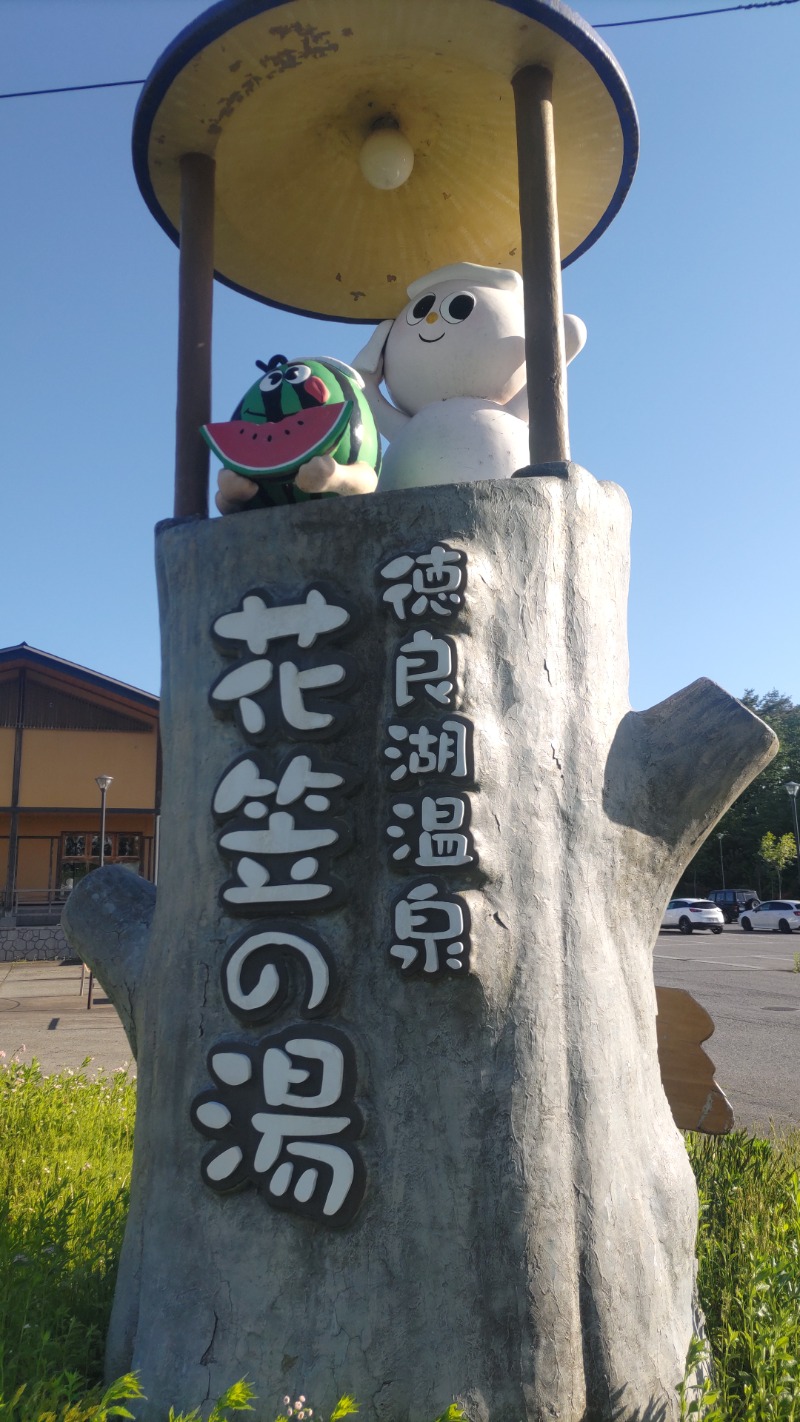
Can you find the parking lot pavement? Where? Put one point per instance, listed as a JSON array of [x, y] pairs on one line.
[[43, 1015], [748, 984]]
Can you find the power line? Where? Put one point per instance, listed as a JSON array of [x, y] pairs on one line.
[[695, 14], [70, 89], [608, 25]]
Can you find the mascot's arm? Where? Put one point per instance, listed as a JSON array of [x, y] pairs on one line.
[[369, 364], [574, 342], [322, 475], [234, 491]]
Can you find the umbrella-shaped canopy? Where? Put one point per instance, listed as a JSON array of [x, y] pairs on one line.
[[283, 96]]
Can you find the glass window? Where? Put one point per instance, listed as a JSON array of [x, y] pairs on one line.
[[71, 873], [80, 852]]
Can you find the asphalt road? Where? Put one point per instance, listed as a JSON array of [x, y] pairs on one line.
[[748, 984]]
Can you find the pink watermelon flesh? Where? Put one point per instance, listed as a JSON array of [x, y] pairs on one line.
[[278, 447]]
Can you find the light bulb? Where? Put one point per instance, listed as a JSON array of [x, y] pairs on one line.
[[386, 158]]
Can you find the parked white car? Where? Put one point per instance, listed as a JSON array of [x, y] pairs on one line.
[[688, 914], [776, 915]]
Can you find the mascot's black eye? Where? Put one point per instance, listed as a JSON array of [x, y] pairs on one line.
[[297, 374], [457, 308], [420, 309], [271, 380]]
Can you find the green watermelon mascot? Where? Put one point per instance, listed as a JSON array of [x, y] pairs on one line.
[[303, 430]]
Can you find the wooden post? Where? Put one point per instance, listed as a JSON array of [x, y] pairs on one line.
[[195, 297], [541, 266], [13, 833]]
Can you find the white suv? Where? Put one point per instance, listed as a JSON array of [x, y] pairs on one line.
[[781, 915], [688, 914]]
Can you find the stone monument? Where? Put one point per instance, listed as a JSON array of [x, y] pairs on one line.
[[401, 1130]]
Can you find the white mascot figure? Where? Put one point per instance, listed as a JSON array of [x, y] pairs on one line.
[[453, 363]]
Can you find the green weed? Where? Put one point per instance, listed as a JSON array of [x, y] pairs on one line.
[[60, 1400], [64, 1175], [749, 1274]]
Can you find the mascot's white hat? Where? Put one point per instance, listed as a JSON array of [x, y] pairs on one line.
[[502, 278], [470, 273]]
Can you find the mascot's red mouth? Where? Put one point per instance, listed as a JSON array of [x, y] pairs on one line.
[[317, 389]]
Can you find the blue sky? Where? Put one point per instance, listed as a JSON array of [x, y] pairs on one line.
[[686, 393]]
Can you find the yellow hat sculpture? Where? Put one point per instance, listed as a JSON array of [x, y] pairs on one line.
[[352, 145]]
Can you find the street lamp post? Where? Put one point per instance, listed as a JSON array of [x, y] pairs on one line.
[[791, 787], [720, 837], [102, 782]]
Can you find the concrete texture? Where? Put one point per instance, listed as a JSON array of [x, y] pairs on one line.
[[526, 1241]]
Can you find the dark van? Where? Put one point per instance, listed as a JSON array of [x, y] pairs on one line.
[[732, 901]]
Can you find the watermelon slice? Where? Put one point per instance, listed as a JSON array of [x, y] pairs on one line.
[[277, 448]]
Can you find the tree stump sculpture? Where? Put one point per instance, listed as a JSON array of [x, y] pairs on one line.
[[516, 1224]]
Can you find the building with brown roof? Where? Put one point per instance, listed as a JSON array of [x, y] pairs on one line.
[[62, 726]]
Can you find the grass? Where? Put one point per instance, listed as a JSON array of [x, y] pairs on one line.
[[64, 1175], [749, 1273], [64, 1172]]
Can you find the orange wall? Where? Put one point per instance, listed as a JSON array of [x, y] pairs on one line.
[[59, 768], [37, 829], [6, 764], [33, 863], [81, 821]]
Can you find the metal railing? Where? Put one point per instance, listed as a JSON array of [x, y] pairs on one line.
[[36, 908]]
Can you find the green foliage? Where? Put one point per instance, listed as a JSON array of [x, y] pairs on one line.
[[345, 1407], [59, 1245], [697, 1401], [236, 1399], [64, 1175], [777, 853], [749, 1275], [763, 807], [59, 1401]]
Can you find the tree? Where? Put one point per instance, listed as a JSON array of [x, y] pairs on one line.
[[778, 853], [763, 807]]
